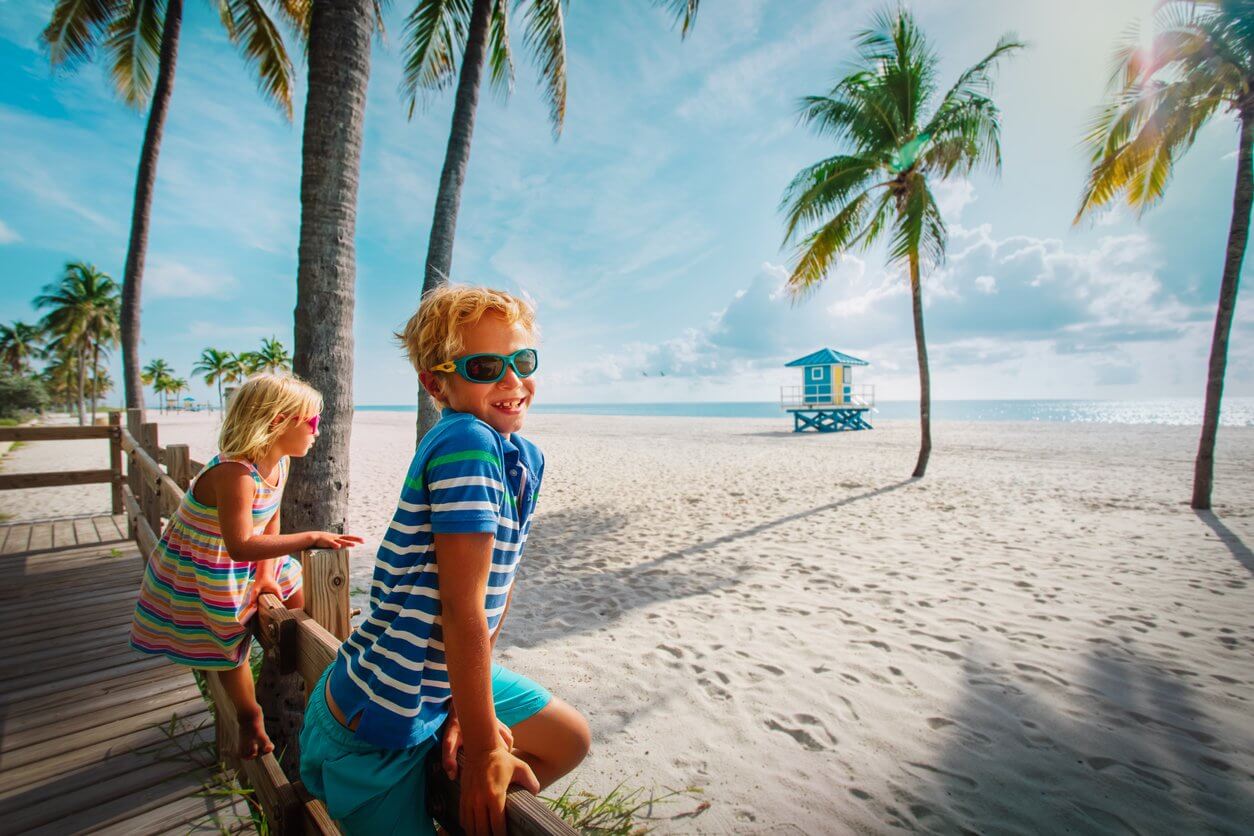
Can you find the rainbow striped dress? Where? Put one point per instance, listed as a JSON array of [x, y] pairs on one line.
[[194, 600]]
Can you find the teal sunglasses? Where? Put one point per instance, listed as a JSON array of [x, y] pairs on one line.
[[489, 368]]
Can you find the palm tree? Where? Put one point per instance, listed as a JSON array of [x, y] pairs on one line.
[[436, 32], [1200, 62], [58, 377], [217, 367], [892, 149], [153, 374], [82, 319], [141, 41], [273, 357], [19, 342]]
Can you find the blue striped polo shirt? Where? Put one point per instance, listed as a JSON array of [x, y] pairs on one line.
[[466, 477]]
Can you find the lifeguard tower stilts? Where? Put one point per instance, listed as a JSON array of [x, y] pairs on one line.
[[827, 400]]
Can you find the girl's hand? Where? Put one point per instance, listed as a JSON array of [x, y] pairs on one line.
[[453, 743], [266, 586], [332, 540], [484, 784]]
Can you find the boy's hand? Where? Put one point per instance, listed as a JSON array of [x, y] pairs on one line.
[[485, 780], [453, 742], [331, 540]]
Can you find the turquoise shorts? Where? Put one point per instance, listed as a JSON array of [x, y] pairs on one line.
[[373, 791]]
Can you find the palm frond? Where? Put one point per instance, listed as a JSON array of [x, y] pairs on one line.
[[134, 47], [435, 32], [920, 231], [75, 28], [846, 231], [500, 59], [250, 27], [544, 36], [685, 12], [822, 188]]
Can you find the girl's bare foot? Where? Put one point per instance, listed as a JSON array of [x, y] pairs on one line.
[[253, 740]]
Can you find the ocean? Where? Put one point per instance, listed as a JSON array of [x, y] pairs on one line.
[[1236, 412]]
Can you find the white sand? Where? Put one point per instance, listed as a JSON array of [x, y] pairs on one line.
[[1040, 636]]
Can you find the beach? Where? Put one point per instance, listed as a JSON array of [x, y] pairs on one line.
[[1038, 636]]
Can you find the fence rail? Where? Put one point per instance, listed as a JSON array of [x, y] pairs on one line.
[[60, 478], [795, 397]]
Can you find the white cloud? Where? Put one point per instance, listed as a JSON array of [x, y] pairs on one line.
[[8, 235], [166, 278]]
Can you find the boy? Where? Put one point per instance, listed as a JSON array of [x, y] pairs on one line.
[[442, 583]]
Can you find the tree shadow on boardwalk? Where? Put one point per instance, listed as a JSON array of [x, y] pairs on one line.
[[574, 580], [1229, 538], [1128, 748]]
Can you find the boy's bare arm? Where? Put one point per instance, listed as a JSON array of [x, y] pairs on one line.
[[464, 561]]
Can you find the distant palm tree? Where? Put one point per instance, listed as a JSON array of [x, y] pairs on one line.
[[82, 318], [893, 147], [141, 40], [436, 32], [59, 378], [273, 357], [19, 342], [249, 363], [1200, 62], [217, 367], [154, 374]]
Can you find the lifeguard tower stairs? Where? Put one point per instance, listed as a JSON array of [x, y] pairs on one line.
[[827, 399]]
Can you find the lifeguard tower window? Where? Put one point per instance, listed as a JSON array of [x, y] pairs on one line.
[[816, 373]]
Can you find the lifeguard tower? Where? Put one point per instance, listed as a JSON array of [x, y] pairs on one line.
[[827, 399]]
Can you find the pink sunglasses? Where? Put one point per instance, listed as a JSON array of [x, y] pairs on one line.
[[313, 422]]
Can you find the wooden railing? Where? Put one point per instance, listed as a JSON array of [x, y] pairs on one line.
[[57, 478], [296, 641]]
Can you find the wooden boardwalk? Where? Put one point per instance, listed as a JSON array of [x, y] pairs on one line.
[[94, 737]]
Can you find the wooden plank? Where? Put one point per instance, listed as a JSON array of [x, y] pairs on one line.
[[54, 672], [106, 529], [64, 660], [64, 649], [33, 603], [126, 752], [93, 786], [10, 642], [17, 539], [63, 534], [40, 537], [326, 590], [315, 647], [66, 703], [85, 531], [137, 693], [62, 433], [110, 736], [196, 812], [53, 479], [10, 699]]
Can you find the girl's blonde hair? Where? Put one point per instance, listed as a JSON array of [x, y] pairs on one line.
[[433, 335], [249, 429]]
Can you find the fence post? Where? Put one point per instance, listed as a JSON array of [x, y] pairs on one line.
[[152, 493], [115, 460], [178, 463], [134, 418], [326, 589]]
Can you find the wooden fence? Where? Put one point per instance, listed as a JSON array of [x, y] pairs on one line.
[[303, 642], [112, 474]]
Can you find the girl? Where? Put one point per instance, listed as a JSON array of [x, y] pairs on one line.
[[222, 548]]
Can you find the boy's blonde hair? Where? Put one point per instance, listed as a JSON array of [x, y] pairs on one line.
[[433, 335], [248, 430]]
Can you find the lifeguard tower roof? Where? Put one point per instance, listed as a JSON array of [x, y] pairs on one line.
[[828, 357]]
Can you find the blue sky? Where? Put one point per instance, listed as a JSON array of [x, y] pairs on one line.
[[648, 235]]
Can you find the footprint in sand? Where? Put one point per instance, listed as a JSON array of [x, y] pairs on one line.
[[805, 737]]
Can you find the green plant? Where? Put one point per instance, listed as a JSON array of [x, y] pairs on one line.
[[620, 813], [20, 396]]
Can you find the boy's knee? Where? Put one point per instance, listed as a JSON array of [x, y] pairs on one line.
[[581, 735]]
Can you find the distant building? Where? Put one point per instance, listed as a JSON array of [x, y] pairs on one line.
[[827, 399]]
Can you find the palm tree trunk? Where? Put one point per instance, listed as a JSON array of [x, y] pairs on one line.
[[925, 377], [145, 180], [95, 364], [221, 406], [316, 496], [82, 381], [1238, 235], [453, 177]]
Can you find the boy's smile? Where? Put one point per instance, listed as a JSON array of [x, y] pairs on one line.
[[501, 405]]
